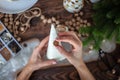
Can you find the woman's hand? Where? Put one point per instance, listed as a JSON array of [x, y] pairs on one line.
[[37, 59], [75, 56]]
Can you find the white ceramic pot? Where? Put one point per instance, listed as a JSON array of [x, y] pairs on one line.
[[73, 6], [15, 6]]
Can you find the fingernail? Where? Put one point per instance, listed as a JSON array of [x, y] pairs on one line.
[[54, 63]]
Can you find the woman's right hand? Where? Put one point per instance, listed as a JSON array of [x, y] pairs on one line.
[[75, 55]]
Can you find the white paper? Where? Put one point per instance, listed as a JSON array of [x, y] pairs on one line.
[[52, 52]]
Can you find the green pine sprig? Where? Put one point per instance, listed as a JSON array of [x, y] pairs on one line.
[[106, 23]]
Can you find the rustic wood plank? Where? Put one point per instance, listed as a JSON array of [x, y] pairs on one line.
[[51, 8], [56, 73]]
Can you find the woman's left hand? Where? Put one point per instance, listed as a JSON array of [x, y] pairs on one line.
[[37, 61]]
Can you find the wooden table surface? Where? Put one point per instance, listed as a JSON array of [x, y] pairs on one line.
[[51, 8], [55, 8], [39, 30], [97, 68]]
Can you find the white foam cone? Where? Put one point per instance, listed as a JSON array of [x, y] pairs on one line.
[[52, 52]]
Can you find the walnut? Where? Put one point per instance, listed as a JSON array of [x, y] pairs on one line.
[[56, 43]]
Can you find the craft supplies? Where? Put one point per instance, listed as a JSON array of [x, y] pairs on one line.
[[52, 52], [10, 70], [22, 22], [73, 6], [8, 45]]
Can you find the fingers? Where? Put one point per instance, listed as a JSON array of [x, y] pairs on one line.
[[63, 52], [47, 63], [70, 33], [69, 39], [38, 49], [43, 42]]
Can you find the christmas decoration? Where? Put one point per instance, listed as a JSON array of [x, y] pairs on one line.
[[106, 23], [73, 6]]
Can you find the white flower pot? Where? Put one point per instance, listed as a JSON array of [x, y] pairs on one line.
[[15, 6], [73, 5]]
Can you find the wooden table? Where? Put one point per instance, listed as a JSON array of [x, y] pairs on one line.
[[51, 8], [55, 8], [97, 68], [39, 30]]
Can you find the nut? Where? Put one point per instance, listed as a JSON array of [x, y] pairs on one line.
[[57, 22], [88, 24], [84, 25], [9, 26], [85, 21], [10, 15], [17, 22], [18, 39], [72, 29], [81, 21], [77, 23], [15, 35], [11, 19], [79, 35], [73, 20], [42, 17], [74, 25], [78, 18], [70, 22], [10, 23], [81, 25], [6, 20], [22, 29], [53, 19], [1, 15], [45, 21], [81, 13], [6, 15], [56, 43], [66, 23], [6, 24], [49, 21], [61, 28], [77, 28], [76, 14]]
